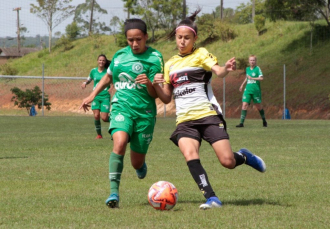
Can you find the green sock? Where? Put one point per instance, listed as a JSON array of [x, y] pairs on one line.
[[98, 126], [116, 165], [262, 114], [243, 115]]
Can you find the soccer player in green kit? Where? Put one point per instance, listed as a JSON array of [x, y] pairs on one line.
[[101, 103], [252, 90], [133, 107]]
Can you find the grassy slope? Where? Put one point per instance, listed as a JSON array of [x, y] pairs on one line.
[[308, 74]]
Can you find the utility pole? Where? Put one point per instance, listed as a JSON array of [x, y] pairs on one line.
[[327, 9], [91, 19], [221, 9], [184, 11], [253, 10], [18, 35]]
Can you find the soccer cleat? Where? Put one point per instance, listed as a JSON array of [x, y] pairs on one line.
[[240, 125], [99, 136], [142, 172], [264, 124], [113, 201], [253, 160], [212, 202]]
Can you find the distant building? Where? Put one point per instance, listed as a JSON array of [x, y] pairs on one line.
[[7, 53]]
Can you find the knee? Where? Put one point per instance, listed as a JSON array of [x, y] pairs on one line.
[[105, 119], [97, 116], [228, 162]]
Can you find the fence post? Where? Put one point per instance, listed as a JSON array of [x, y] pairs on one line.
[[43, 89], [224, 97], [284, 92]]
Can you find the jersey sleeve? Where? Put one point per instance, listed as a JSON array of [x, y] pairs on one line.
[[157, 66], [167, 73], [91, 76], [259, 72], [208, 60]]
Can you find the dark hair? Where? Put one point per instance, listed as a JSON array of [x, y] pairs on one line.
[[107, 62], [188, 21], [135, 23]]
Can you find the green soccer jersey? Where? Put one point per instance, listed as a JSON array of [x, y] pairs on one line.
[[253, 85], [132, 98], [96, 76]]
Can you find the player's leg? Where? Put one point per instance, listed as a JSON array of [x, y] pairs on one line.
[[97, 123], [96, 107], [140, 141], [257, 101], [105, 109], [189, 148], [245, 104], [120, 130]]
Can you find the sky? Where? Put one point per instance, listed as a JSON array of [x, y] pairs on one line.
[[35, 26]]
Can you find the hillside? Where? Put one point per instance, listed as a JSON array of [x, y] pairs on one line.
[[307, 71]]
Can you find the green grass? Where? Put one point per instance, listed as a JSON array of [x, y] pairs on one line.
[[54, 174]]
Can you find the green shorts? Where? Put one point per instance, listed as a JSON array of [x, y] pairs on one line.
[[102, 104], [247, 96], [140, 130]]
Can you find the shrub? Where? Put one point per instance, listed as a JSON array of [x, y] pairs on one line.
[[6, 69], [259, 23]]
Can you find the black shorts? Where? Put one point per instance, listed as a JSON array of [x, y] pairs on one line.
[[211, 129]]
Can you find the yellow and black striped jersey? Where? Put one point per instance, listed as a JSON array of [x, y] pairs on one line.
[[191, 76]]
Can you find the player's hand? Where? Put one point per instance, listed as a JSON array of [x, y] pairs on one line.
[[231, 65], [83, 85], [240, 88], [85, 104], [158, 79], [142, 79]]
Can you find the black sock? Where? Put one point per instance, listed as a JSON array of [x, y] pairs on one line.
[[198, 173], [240, 159]]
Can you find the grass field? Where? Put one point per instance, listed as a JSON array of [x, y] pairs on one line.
[[54, 174]]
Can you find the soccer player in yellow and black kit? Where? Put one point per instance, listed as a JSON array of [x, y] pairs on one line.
[[133, 106], [252, 90], [188, 76]]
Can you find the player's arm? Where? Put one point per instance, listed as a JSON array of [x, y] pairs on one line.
[[164, 91], [104, 82], [242, 85], [85, 83], [223, 71], [257, 78], [143, 79]]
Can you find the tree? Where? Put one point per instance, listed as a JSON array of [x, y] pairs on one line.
[[243, 14], [52, 12], [302, 10], [28, 98], [130, 6], [83, 18], [72, 30]]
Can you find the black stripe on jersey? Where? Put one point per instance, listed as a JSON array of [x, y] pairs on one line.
[[190, 76]]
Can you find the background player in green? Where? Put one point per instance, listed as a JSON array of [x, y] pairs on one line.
[[101, 103], [133, 107], [252, 90]]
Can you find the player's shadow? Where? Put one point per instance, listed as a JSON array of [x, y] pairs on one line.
[[13, 157], [253, 202]]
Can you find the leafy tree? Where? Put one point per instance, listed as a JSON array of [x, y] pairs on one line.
[[243, 13], [82, 17], [27, 98], [130, 6], [303, 10], [159, 14], [72, 30], [52, 12], [259, 23]]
